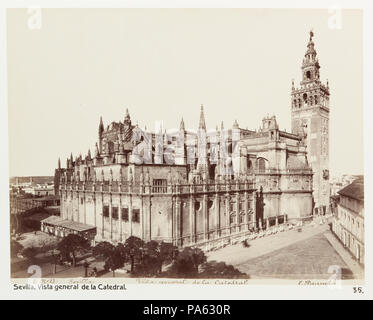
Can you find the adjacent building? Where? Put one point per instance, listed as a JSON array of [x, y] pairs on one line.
[[348, 224]]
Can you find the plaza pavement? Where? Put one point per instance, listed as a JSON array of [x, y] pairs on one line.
[[236, 254], [291, 255]]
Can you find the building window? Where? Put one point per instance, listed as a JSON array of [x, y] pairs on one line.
[[241, 206], [305, 98], [135, 215], [210, 204], [125, 214], [159, 185], [231, 207], [105, 211], [261, 165], [197, 205], [81, 200], [232, 218], [241, 218], [114, 213], [249, 165]]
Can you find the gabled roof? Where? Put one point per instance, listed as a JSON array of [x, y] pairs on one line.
[[354, 190]]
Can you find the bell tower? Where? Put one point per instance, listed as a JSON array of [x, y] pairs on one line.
[[310, 118]]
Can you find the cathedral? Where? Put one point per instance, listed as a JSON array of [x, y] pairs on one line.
[[194, 188]]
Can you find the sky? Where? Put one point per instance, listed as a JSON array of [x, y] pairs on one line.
[[162, 64]]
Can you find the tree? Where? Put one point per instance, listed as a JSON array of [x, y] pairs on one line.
[[214, 269], [134, 249], [187, 262], [114, 256], [30, 253], [167, 254], [103, 250], [150, 259], [72, 245], [115, 261], [15, 248]]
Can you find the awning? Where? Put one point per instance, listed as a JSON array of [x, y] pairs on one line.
[[68, 224]]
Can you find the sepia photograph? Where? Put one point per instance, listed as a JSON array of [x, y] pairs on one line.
[[181, 144]]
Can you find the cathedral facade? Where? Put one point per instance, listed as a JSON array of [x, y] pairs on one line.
[[198, 187]]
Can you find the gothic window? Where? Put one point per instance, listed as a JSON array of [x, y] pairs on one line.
[[110, 147], [125, 214], [299, 103], [136, 215], [105, 211], [316, 102], [308, 75], [249, 165], [230, 148], [241, 218], [232, 218], [231, 207], [210, 204], [197, 205], [240, 206], [261, 165], [114, 213]]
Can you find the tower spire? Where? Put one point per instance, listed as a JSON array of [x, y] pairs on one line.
[[127, 118], [202, 123], [182, 125], [97, 151], [310, 65], [59, 163], [100, 127]]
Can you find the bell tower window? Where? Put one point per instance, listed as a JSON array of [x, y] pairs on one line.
[[305, 97]]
